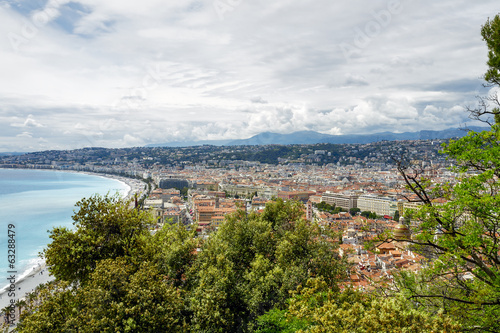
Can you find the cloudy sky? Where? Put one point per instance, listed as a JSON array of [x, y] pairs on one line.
[[120, 73]]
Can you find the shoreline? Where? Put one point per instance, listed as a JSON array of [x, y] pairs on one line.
[[25, 285], [134, 185], [27, 281]]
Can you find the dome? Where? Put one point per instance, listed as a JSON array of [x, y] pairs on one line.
[[401, 231]]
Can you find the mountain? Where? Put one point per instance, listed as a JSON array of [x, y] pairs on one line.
[[311, 137], [14, 153]]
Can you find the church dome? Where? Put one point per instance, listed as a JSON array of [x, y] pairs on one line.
[[401, 231]]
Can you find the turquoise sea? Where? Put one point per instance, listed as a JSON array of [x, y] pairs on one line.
[[32, 202]]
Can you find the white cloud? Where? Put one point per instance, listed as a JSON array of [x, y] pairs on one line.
[[29, 122], [355, 80], [25, 135], [117, 73]]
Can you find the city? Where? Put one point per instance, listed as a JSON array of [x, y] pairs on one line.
[[202, 184]]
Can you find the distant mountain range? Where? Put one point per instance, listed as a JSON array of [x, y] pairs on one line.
[[12, 153], [311, 137]]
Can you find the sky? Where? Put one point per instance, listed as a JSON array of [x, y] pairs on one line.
[[120, 73]]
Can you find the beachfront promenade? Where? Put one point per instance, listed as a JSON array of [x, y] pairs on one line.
[[136, 186]]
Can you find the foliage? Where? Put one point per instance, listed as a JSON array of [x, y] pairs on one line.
[[396, 215], [119, 297], [124, 278], [353, 211], [184, 192], [490, 104], [458, 225], [105, 228], [252, 262], [173, 250], [278, 321], [332, 209], [491, 35], [327, 311], [461, 234], [368, 214]]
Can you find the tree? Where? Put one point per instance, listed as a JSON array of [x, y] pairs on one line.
[[396, 215], [353, 211], [184, 192], [105, 228], [119, 296], [252, 262], [368, 214], [279, 321], [328, 311], [490, 105], [133, 281], [112, 274], [49, 310], [173, 250], [462, 234], [491, 35]]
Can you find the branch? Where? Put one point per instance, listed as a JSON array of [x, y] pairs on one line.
[[497, 302]]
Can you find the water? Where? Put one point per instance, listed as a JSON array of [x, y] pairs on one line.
[[32, 202]]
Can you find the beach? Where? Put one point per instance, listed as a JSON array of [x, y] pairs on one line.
[[135, 186], [25, 285]]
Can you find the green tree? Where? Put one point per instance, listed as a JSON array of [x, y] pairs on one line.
[[491, 35], [353, 211], [328, 311], [173, 250], [396, 215], [128, 281], [490, 105], [119, 296], [105, 227], [368, 214], [252, 262], [461, 235], [184, 192], [279, 321], [49, 310]]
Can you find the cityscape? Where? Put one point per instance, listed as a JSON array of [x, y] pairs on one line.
[[232, 166], [202, 184]]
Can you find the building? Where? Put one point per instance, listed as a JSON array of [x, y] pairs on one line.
[[243, 190], [295, 195], [309, 211], [210, 212], [342, 200], [168, 183], [377, 204]]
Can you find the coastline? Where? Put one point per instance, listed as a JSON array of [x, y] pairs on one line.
[[27, 281], [25, 284], [135, 186]]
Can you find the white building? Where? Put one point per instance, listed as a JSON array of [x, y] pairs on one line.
[[342, 200], [377, 204]]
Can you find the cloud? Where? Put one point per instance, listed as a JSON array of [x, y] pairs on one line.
[[127, 73], [29, 122], [25, 135], [258, 100], [355, 80]]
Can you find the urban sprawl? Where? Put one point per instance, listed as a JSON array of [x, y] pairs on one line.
[[355, 189]]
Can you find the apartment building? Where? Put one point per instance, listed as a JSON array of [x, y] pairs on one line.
[[378, 204], [343, 200]]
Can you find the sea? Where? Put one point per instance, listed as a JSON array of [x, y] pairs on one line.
[[32, 202]]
